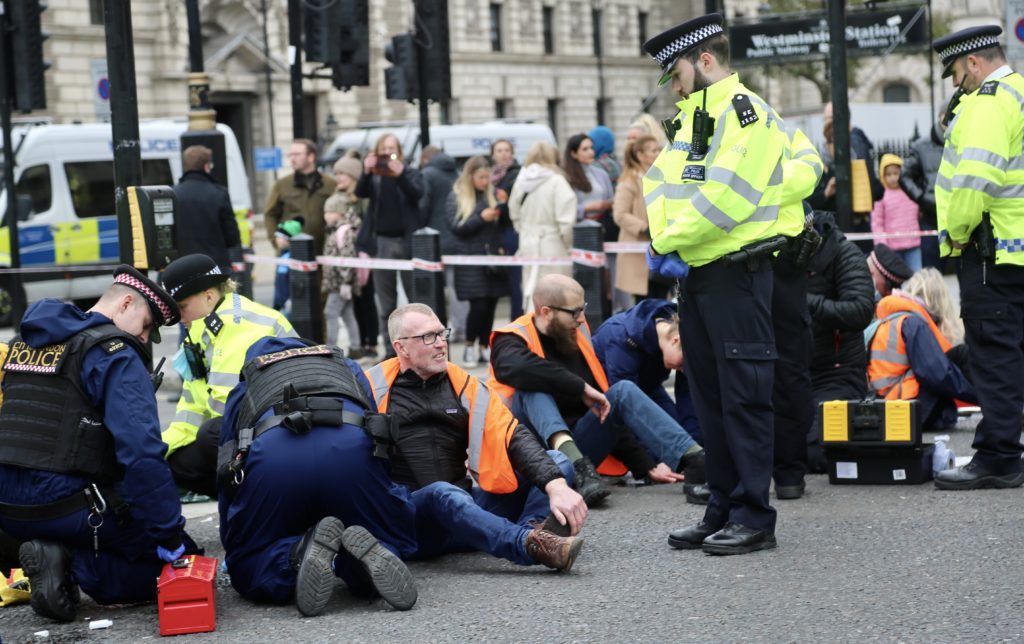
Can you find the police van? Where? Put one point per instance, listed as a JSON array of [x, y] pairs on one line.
[[458, 141], [64, 182]]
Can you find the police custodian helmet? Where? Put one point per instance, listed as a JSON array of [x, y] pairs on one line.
[[964, 42]]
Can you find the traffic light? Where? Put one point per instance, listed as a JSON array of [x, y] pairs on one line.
[[27, 50], [401, 79], [432, 30], [338, 34]]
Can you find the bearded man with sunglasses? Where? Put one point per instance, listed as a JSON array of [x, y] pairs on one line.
[[443, 418], [544, 366]]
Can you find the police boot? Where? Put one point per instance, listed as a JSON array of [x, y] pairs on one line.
[[47, 566], [389, 574], [313, 558], [588, 483], [552, 550]]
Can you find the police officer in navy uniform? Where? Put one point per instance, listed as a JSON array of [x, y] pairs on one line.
[[303, 498], [978, 204], [104, 516], [722, 199]]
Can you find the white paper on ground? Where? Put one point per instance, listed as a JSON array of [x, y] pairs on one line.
[[899, 475], [100, 623], [846, 470], [42, 633]]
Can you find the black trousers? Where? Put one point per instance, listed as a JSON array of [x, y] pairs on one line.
[[480, 319], [793, 397], [194, 467], [992, 306], [730, 366]]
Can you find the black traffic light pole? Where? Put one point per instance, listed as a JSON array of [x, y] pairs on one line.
[[840, 114], [10, 217], [124, 115], [421, 72], [202, 118], [295, 60]]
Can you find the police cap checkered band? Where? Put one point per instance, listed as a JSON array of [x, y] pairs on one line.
[[964, 42], [669, 45], [164, 308]]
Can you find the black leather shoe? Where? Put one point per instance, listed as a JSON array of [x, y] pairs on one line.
[[975, 476], [314, 559], [588, 483], [735, 539], [690, 538], [789, 492], [47, 566], [697, 494]]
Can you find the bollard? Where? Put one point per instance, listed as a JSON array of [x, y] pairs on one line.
[[307, 314], [588, 268], [428, 285], [241, 271]]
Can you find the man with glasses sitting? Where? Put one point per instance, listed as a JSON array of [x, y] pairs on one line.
[[442, 417], [545, 367]]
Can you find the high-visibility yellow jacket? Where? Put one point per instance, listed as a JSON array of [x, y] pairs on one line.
[[243, 323], [491, 424], [747, 187], [982, 169]]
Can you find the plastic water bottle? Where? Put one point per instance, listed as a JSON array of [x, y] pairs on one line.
[[943, 457]]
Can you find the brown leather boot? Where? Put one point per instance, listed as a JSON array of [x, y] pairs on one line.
[[552, 550]]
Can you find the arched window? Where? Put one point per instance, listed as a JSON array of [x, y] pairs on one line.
[[896, 93]]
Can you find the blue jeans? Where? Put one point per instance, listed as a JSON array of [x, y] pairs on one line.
[[632, 410], [450, 519], [912, 257]]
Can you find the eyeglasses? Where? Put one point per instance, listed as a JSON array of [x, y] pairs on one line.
[[575, 313], [430, 337]]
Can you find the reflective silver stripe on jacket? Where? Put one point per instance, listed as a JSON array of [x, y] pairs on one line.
[[477, 423], [378, 382]]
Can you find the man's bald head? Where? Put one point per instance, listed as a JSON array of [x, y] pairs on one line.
[[556, 289]]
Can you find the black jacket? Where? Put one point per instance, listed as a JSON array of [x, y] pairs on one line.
[[438, 177], [474, 236], [840, 297], [205, 219], [393, 210], [433, 437], [920, 169], [562, 376]]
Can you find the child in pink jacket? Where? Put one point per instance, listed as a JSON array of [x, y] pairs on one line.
[[895, 212]]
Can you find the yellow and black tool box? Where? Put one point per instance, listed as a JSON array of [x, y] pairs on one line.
[[879, 465], [862, 423]]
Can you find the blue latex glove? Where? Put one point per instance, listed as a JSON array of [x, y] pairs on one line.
[[670, 265], [170, 555]]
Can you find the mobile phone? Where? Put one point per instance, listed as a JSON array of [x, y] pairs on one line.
[[382, 160]]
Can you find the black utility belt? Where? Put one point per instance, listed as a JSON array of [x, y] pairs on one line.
[[754, 255], [91, 498]]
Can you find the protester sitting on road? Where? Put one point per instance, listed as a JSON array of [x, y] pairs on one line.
[[105, 515], [293, 522], [440, 413], [907, 350], [478, 222], [888, 271], [839, 298], [544, 366], [222, 325], [642, 345], [542, 207]]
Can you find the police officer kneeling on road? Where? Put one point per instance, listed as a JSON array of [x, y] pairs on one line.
[[222, 325], [723, 199], [296, 466], [83, 480]]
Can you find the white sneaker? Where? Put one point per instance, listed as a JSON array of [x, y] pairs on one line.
[[471, 356], [485, 355]]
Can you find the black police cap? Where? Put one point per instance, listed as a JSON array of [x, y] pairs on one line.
[[165, 310], [669, 45], [191, 274], [890, 265], [964, 42]]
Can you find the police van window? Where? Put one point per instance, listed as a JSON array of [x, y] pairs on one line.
[[35, 184], [92, 184]]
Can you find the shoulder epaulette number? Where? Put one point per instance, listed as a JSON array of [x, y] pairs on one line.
[[214, 323], [114, 345], [744, 110], [988, 89]]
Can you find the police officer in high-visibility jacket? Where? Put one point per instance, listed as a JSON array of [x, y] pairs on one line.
[[722, 199], [979, 195], [222, 325]]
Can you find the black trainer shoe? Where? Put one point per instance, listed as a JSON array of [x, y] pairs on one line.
[[47, 566], [314, 559], [693, 468], [790, 492], [697, 494], [975, 476], [588, 483], [389, 574]]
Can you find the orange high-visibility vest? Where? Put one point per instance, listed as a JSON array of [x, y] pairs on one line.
[[889, 370], [491, 424], [525, 328]]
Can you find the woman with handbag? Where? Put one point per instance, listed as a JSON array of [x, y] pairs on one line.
[[478, 223]]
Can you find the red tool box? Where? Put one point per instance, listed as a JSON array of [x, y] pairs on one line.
[[186, 596]]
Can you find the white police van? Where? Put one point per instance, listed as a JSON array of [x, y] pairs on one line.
[[458, 141], [64, 180]]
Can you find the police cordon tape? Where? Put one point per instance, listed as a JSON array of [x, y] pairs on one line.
[[578, 256]]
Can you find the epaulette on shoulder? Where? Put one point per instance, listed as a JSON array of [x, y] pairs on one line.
[[989, 88]]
